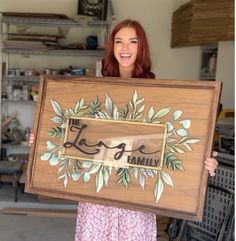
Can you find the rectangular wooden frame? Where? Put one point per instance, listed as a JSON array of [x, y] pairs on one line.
[[195, 100]]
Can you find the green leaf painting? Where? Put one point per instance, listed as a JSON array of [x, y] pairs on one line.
[[159, 187], [178, 142]]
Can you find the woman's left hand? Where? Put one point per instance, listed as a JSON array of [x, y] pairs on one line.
[[211, 164]]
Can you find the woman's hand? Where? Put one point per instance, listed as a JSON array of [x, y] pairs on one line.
[[211, 164], [31, 139]]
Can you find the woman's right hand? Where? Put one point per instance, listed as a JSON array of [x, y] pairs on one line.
[[31, 138]]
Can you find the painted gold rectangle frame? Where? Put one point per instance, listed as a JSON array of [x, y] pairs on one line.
[[117, 121]]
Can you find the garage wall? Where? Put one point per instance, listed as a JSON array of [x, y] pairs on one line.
[[155, 16]]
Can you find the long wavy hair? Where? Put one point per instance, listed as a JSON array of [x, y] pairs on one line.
[[142, 65]]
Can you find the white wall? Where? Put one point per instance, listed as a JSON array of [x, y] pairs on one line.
[[68, 7], [156, 17], [225, 72], [225, 68]]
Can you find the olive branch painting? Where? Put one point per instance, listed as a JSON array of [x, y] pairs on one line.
[[178, 142]]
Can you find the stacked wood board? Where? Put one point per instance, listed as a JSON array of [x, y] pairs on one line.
[[47, 199], [41, 212], [200, 22]]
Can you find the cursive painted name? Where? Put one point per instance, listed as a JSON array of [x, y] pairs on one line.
[[83, 145]]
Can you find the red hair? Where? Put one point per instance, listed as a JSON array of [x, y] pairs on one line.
[[142, 65]]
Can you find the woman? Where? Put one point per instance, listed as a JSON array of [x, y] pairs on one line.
[[127, 56]]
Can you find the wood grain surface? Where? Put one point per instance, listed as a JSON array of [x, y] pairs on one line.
[[198, 101]]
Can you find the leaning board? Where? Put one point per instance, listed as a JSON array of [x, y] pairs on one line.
[[131, 143]]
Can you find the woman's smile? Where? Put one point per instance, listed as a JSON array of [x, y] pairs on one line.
[[126, 47]]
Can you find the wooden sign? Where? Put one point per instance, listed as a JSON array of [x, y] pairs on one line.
[[132, 143]]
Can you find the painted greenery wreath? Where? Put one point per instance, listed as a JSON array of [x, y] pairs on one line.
[[178, 141]]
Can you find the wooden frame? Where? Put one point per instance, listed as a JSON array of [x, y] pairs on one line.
[[162, 129]]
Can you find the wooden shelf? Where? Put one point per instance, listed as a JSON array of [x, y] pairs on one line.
[[68, 52], [51, 22]]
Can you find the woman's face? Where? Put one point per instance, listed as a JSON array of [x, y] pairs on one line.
[[126, 47]]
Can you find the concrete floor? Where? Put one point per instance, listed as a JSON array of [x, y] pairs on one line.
[[22, 227], [32, 228], [19, 227]]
